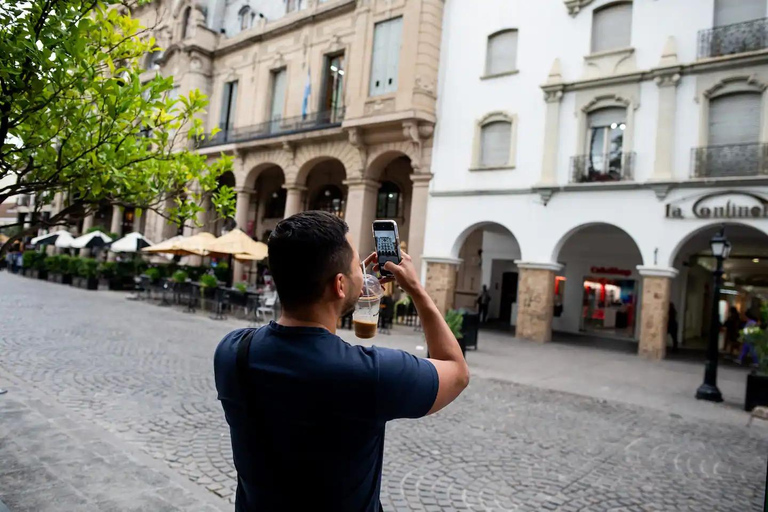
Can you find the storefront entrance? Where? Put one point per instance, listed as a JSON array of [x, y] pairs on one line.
[[608, 306]]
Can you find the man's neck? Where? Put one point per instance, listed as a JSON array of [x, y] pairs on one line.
[[323, 319]]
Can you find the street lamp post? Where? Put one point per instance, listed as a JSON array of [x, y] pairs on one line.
[[721, 248]]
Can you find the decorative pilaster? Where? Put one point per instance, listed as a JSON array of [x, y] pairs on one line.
[[361, 212], [666, 79], [441, 281], [418, 217], [536, 300], [553, 96], [654, 311]]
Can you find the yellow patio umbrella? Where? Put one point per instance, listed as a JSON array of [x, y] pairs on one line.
[[239, 245], [197, 244], [170, 246]]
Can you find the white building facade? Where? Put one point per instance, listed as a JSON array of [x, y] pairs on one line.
[[586, 152]]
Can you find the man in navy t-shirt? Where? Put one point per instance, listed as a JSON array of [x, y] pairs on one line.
[[307, 410]]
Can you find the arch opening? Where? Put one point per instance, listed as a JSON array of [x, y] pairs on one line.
[[488, 252], [744, 290], [597, 291]]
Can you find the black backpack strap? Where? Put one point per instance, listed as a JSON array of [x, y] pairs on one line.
[[241, 363]]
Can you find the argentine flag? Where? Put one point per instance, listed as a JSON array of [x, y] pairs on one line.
[[307, 92]]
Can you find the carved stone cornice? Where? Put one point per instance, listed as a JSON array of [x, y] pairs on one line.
[[667, 77], [575, 6]]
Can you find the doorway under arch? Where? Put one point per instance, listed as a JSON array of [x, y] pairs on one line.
[[745, 282], [597, 291], [488, 252]]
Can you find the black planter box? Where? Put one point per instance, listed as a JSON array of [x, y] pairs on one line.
[[62, 278], [757, 391], [91, 283], [42, 275]]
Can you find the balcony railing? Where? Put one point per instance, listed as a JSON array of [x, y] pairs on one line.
[[596, 167], [730, 160], [737, 38], [276, 128]]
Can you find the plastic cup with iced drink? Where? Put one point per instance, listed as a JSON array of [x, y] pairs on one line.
[[365, 319]]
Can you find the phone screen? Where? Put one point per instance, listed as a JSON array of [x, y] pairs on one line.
[[386, 246]]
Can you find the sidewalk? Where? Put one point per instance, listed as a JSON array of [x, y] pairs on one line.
[[668, 386]]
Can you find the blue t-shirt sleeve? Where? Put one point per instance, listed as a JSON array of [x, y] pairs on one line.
[[406, 387]]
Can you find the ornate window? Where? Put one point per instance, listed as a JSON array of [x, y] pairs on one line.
[[501, 54], [389, 201], [245, 18], [329, 199], [494, 146], [612, 27]]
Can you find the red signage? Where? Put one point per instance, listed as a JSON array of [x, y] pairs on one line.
[[611, 271]]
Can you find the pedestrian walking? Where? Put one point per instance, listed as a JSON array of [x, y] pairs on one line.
[[748, 346], [306, 410], [672, 325], [732, 329], [483, 302]]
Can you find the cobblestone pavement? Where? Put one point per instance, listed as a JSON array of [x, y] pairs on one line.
[[144, 374]]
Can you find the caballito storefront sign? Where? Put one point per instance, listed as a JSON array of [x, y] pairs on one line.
[[721, 205]]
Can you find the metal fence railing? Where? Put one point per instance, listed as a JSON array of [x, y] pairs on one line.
[[275, 128], [743, 37]]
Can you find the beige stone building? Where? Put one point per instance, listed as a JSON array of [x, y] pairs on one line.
[[325, 105]]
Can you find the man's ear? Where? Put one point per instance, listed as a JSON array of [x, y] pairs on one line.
[[339, 288]]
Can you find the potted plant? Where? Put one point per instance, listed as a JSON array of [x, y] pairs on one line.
[[65, 265], [153, 273], [40, 268], [89, 273], [73, 269], [208, 284], [53, 268], [107, 274], [221, 271], [757, 380], [180, 277], [455, 321], [28, 260]]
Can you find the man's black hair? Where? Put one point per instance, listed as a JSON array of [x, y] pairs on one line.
[[306, 251]]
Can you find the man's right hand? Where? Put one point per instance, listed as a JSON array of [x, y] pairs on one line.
[[405, 274]]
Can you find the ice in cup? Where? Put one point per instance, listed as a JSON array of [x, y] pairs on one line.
[[365, 319]]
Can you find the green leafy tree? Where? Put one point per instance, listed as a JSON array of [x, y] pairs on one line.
[[77, 122]]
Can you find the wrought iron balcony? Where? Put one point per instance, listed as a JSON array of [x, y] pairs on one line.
[[598, 167], [730, 160], [737, 38], [276, 128]]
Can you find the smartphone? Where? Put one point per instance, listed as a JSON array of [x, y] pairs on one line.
[[387, 239]]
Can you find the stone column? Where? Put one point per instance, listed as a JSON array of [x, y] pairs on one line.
[[654, 311], [87, 224], [418, 217], [116, 226], [294, 200], [241, 217], [441, 281], [536, 300], [361, 212], [139, 221]]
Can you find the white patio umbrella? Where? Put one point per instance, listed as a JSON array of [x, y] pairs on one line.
[[46, 239], [132, 242], [64, 240], [91, 240]]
